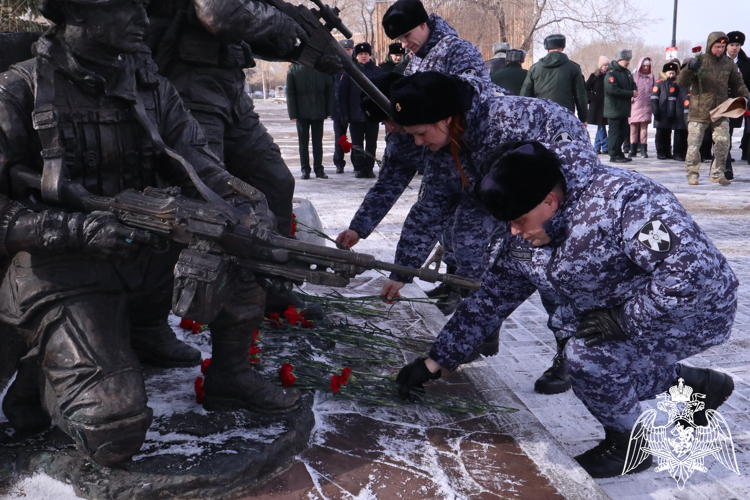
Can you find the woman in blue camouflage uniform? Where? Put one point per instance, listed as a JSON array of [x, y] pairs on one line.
[[641, 288]]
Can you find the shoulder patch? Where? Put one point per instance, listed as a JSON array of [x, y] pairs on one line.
[[563, 136], [611, 79], [655, 89], [654, 235], [470, 72]]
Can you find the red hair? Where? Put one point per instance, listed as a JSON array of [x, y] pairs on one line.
[[456, 131]]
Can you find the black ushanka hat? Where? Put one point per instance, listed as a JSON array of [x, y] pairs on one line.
[[361, 48], [671, 66], [403, 16], [519, 175], [396, 48], [428, 97], [383, 82], [736, 37]]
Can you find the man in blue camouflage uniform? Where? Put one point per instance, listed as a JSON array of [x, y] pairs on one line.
[[436, 47], [639, 286]]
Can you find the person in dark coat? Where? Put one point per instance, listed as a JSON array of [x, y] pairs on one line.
[[339, 126], [664, 96], [680, 124], [735, 52], [557, 78], [364, 132], [309, 100], [619, 88], [595, 89], [512, 76], [396, 59], [499, 59]]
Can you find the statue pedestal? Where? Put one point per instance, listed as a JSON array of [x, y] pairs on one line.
[[188, 453]]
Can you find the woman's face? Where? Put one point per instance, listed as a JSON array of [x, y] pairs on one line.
[[432, 135], [603, 67], [671, 74]]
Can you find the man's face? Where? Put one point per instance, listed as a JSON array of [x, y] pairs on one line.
[[531, 225], [397, 58], [363, 58], [733, 49], [624, 63], [350, 51], [415, 38], [117, 26], [718, 49], [432, 135]]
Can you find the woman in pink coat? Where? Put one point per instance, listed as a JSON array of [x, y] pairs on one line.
[[640, 112]]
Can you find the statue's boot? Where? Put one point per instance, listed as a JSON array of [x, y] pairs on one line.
[[231, 383], [156, 344], [607, 459], [22, 404]]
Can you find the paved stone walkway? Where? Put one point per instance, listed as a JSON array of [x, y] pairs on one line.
[[551, 429]]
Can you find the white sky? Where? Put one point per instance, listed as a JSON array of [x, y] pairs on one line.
[[697, 18]]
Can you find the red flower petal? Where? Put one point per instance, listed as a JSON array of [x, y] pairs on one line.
[[335, 384], [345, 375], [285, 368], [275, 320], [291, 315], [198, 385], [186, 324], [204, 365], [287, 379], [697, 49], [197, 327]]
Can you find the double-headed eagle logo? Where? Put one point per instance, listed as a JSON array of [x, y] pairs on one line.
[[680, 446]]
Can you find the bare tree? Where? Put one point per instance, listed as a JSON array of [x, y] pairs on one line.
[[21, 15]]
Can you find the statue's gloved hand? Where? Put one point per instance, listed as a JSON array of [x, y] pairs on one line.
[[412, 377], [286, 32], [330, 64], [601, 326], [275, 284], [695, 64], [102, 236]]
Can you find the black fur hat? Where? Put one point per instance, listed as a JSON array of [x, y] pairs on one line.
[[736, 37], [396, 48], [383, 82], [428, 97], [519, 175], [673, 65], [556, 41], [361, 48], [403, 16]]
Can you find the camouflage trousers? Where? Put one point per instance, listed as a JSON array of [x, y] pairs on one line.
[[720, 135], [612, 378]]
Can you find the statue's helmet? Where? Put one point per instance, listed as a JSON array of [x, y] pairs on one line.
[[54, 9]]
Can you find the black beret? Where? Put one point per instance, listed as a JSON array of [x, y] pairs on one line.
[[383, 82], [403, 16], [347, 43], [736, 37], [671, 66], [554, 42], [518, 176], [428, 97], [362, 47], [396, 48]]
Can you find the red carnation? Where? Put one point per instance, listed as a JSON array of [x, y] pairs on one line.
[[287, 377], [204, 365], [292, 315], [275, 320], [199, 390], [197, 327], [186, 324], [344, 378], [335, 383], [346, 146], [254, 355], [697, 49], [256, 338], [306, 323]]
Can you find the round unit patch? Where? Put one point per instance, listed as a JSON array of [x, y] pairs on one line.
[[611, 79], [563, 136], [654, 235]]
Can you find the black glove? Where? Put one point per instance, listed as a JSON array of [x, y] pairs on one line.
[[695, 64], [601, 326], [657, 117], [103, 237], [275, 284], [330, 64], [286, 34], [413, 376]]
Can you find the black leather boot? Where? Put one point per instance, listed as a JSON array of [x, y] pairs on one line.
[[231, 383], [633, 150], [489, 347], [717, 387], [555, 379], [607, 459], [157, 345], [644, 150]]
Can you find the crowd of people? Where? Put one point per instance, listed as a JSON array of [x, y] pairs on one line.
[[512, 188]]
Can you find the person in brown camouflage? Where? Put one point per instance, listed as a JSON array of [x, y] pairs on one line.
[[709, 77]]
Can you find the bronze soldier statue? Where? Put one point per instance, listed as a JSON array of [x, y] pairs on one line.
[[90, 109]]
